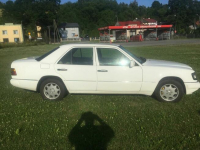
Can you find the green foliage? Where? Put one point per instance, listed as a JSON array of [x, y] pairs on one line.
[[25, 44], [31, 12], [183, 14], [92, 14]]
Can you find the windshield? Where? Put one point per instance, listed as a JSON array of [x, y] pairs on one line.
[[141, 60]]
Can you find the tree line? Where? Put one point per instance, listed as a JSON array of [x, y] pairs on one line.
[[92, 14]]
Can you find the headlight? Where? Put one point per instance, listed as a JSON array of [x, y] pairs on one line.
[[194, 76]]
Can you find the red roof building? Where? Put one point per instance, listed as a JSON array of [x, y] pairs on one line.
[[126, 23], [146, 29], [150, 20]]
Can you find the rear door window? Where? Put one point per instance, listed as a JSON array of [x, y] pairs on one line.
[[78, 56]]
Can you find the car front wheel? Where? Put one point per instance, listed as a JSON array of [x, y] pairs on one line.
[[52, 89], [169, 91]]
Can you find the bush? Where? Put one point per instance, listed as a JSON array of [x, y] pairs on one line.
[[28, 43]]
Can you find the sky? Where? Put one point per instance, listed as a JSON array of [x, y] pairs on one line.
[[140, 2]]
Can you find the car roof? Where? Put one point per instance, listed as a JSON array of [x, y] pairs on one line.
[[52, 57], [83, 44]]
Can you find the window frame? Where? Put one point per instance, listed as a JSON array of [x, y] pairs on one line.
[[3, 32], [71, 48], [14, 32], [73, 34], [7, 41], [16, 41], [114, 48]]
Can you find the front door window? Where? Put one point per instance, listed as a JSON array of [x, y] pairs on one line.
[[111, 57]]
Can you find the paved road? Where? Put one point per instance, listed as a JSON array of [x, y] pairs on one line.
[[156, 43], [164, 42]]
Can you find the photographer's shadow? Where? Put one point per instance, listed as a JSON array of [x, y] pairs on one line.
[[90, 133]]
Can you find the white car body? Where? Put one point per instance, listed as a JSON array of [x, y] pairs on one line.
[[139, 79]]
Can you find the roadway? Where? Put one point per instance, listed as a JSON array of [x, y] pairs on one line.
[[161, 42], [153, 43]]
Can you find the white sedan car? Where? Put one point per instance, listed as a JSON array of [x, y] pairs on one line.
[[102, 69]]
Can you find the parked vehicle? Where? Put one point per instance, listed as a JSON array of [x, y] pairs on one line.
[[85, 38], [102, 69]]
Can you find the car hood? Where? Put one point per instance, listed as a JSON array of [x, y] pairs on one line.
[[152, 62]]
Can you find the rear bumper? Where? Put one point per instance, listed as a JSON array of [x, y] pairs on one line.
[[25, 84], [192, 87]]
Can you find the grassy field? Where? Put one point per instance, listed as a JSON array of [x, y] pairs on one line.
[[124, 122]]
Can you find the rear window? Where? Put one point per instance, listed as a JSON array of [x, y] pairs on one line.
[[45, 55]]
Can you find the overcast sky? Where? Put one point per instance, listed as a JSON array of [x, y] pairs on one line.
[[140, 2]]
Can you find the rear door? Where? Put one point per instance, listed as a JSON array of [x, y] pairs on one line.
[[114, 73], [78, 69]]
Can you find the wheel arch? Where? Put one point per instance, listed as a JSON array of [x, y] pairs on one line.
[[47, 77], [173, 78]]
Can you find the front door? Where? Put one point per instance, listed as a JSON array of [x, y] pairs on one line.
[[114, 73], [78, 69]]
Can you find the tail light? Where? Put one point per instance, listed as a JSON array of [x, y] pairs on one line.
[[13, 72], [194, 76]]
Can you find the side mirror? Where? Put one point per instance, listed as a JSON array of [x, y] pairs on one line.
[[132, 64]]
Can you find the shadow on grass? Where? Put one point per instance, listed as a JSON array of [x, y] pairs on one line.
[[199, 112], [90, 133], [134, 96]]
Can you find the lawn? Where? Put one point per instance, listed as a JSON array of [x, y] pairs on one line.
[[123, 122]]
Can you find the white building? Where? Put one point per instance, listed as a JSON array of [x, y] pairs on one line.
[[69, 30]]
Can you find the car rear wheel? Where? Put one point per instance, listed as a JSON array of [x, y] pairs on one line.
[[52, 89], [169, 91]]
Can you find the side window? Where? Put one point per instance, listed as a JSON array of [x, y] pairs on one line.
[[67, 59], [111, 57], [76, 52], [78, 56]]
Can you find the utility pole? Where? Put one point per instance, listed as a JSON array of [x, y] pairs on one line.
[[199, 16], [175, 25], [54, 30], [49, 34], [22, 32], [117, 18]]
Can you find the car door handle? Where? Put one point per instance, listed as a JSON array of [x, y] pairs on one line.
[[103, 70], [62, 69]]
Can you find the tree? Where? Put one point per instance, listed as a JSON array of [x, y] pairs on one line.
[[92, 14], [184, 12], [134, 5], [156, 5]]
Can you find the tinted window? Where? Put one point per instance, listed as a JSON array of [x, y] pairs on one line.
[[111, 57], [78, 56]]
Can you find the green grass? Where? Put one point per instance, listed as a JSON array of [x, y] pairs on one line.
[[130, 122]]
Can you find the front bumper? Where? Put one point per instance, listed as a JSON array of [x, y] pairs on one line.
[[192, 87]]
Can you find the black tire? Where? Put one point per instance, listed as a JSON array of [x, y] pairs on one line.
[[55, 89], [169, 91]]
